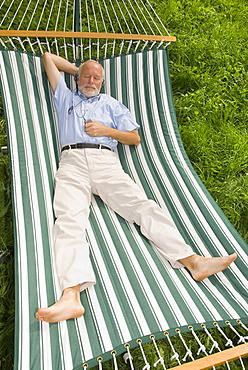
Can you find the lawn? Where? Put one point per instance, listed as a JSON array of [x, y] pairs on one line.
[[209, 75]]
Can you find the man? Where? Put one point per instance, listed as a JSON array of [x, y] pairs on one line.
[[90, 126]]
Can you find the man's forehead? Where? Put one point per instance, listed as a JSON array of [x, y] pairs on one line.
[[92, 64]]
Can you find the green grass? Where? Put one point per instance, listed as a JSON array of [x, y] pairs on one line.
[[6, 260], [209, 77]]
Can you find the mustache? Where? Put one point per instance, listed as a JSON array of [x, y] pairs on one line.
[[89, 85]]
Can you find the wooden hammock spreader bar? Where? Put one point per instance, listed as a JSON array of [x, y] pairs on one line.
[[85, 35], [216, 359]]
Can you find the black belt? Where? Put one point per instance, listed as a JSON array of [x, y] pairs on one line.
[[85, 146]]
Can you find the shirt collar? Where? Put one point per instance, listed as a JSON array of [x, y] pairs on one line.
[[94, 98]]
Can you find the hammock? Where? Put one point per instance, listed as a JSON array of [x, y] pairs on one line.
[[138, 298]]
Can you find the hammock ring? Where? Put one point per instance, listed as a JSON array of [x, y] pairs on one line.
[[113, 352], [126, 345], [190, 327], [85, 366], [203, 325], [152, 337], [139, 341], [99, 359], [177, 330]]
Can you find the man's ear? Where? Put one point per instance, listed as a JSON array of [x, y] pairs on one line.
[[102, 86]]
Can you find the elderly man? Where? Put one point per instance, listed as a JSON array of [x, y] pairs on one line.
[[90, 126]]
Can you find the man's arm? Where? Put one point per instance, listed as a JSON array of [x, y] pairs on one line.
[[95, 128], [53, 65]]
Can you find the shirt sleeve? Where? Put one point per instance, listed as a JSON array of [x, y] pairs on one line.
[[123, 118], [61, 94]]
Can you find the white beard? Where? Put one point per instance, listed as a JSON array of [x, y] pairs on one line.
[[89, 93]]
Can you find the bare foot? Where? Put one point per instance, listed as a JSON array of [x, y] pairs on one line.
[[203, 267], [68, 307]]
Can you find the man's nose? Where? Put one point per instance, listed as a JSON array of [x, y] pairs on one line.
[[91, 79]]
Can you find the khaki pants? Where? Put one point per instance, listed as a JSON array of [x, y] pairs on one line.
[[98, 171]]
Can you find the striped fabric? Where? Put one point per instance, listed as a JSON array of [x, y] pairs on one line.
[[136, 293]]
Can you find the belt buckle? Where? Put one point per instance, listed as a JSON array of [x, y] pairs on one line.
[[100, 146]]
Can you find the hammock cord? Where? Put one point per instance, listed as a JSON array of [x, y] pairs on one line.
[[80, 28], [130, 17], [75, 28], [215, 344], [111, 24], [160, 358], [113, 353], [41, 15], [119, 24], [116, 16], [130, 359], [145, 19], [134, 25], [127, 25], [242, 339], [229, 342], [175, 353], [123, 17], [64, 27], [147, 365], [3, 4], [138, 17], [47, 26], [202, 348], [157, 18], [105, 27], [17, 10], [88, 22], [24, 15], [97, 28], [99, 363], [38, 24], [32, 16], [188, 351], [243, 326], [126, 17]]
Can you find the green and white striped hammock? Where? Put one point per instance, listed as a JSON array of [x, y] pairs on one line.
[[137, 296]]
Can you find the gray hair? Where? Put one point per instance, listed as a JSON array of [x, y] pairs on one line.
[[90, 61]]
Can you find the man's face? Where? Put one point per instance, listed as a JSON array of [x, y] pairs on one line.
[[90, 79]]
